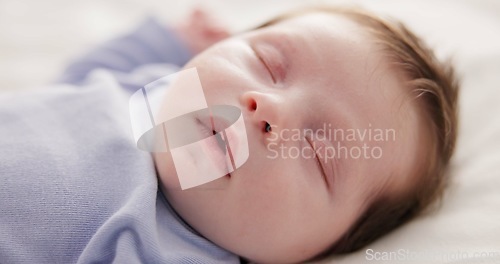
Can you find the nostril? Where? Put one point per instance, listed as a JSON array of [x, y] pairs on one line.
[[267, 127], [252, 105]]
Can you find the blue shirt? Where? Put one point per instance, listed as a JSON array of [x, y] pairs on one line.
[[73, 186]]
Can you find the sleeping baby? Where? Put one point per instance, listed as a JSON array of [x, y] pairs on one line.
[[350, 122]]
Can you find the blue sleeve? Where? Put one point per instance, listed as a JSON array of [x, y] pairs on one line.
[[74, 187], [150, 43]]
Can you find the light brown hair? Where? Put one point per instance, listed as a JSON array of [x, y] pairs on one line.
[[435, 87]]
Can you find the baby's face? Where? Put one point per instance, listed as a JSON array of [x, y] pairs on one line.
[[300, 76]]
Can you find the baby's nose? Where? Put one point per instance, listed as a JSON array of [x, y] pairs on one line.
[[264, 110]]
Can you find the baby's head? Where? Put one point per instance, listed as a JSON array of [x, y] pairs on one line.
[[350, 120]]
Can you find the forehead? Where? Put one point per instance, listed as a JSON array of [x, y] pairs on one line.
[[321, 28], [328, 43]]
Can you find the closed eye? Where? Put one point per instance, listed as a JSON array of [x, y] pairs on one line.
[[266, 65], [318, 162]]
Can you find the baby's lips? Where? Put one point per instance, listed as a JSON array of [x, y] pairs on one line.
[[237, 143], [210, 162], [229, 124]]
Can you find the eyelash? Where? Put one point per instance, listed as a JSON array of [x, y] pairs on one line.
[[266, 65], [317, 161], [269, 70]]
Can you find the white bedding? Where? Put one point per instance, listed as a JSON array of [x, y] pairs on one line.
[[37, 38]]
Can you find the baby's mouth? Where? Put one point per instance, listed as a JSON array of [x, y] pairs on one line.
[[220, 141], [216, 149], [208, 144]]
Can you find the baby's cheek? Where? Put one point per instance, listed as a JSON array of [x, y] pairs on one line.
[[167, 176]]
